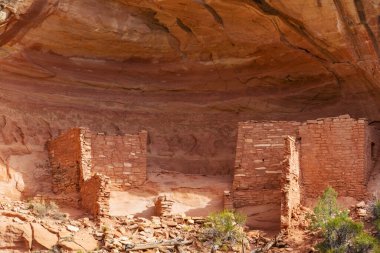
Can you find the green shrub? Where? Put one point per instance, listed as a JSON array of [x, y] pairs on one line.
[[326, 208], [338, 233], [376, 210], [363, 243], [224, 229], [376, 215], [377, 225]]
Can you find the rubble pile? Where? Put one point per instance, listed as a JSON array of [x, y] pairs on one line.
[[163, 205], [24, 228]]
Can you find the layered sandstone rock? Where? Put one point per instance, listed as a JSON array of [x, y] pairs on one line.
[[186, 71]]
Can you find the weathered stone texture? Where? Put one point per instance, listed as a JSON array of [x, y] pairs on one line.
[[260, 151], [228, 202], [95, 195], [333, 153], [85, 161], [90, 164], [290, 185], [78, 153], [372, 146], [340, 152], [122, 158], [65, 155], [163, 206]]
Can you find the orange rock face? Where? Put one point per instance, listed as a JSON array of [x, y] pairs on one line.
[[186, 71]]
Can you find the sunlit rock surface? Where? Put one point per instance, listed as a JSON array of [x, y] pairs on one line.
[[185, 70]]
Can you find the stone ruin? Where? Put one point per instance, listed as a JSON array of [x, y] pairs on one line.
[[89, 165], [279, 165]]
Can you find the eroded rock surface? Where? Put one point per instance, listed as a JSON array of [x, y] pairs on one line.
[[187, 71]]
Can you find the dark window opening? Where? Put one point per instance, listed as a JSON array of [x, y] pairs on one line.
[[373, 151]]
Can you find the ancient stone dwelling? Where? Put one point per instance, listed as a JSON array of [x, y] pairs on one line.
[[92, 164], [281, 163], [278, 165]]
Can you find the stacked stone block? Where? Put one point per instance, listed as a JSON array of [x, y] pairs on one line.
[[85, 158], [290, 185], [163, 206], [122, 158], [337, 152], [333, 153], [258, 166], [89, 165], [65, 156], [95, 195], [228, 203], [372, 147]]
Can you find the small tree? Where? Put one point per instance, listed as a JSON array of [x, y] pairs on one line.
[[224, 229], [338, 233], [341, 234], [326, 208]]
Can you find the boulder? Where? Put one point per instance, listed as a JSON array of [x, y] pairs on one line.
[[43, 238], [15, 236]]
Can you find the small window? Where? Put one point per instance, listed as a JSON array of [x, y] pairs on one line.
[[373, 151]]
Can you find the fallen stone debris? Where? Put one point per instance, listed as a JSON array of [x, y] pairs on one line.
[[22, 230]]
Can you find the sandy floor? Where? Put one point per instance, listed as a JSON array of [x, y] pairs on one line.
[[194, 195]]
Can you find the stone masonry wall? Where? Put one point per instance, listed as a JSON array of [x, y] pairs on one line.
[[85, 159], [65, 156], [259, 156], [95, 195], [333, 152], [290, 184], [122, 158], [373, 147]]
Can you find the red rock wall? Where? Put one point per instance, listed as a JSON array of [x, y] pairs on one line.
[[95, 195], [290, 184], [260, 152], [334, 152], [122, 158], [65, 156]]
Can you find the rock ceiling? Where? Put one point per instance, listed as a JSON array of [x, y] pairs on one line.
[[186, 70], [254, 55]]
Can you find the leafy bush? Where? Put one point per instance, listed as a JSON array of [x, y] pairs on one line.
[[326, 208], [377, 225], [338, 233], [376, 210], [376, 215], [224, 229], [364, 243]]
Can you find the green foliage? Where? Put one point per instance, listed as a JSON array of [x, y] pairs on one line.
[[377, 225], [225, 228], [376, 210], [326, 208], [338, 232], [364, 243], [376, 215]]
